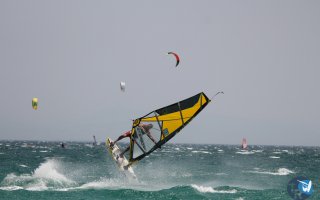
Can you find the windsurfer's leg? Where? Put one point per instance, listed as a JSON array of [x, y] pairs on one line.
[[127, 149], [127, 166], [151, 137]]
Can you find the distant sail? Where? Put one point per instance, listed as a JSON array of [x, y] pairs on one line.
[[244, 143], [166, 123], [94, 141]]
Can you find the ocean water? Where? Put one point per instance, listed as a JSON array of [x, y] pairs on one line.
[[44, 170]]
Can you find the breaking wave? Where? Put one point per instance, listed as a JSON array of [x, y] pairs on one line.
[[208, 189], [279, 172], [47, 176]]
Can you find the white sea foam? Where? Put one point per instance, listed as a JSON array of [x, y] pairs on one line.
[[24, 145], [46, 176], [221, 174], [280, 172], [110, 183], [88, 145], [39, 186], [189, 148], [206, 152], [274, 157], [208, 189], [49, 170], [245, 152], [11, 188], [186, 174]]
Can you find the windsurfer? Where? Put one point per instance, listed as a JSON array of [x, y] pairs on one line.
[[145, 127]]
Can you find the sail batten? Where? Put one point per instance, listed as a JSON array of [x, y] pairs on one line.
[[166, 122]]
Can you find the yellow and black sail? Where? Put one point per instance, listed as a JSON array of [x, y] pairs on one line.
[[166, 122]]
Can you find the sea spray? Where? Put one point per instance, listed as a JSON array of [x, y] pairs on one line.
[[46, 176]]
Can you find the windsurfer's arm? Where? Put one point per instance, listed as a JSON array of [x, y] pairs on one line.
[[126, 134]]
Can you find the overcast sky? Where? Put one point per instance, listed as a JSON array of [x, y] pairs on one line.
[[72, 55]]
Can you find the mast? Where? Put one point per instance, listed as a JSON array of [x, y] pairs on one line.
[[95, 141]]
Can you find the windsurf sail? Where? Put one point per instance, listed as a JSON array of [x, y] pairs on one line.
[[244, 143], [94, 141], [156, 128]]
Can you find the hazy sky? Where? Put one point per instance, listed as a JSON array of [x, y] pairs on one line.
[[72, 55]]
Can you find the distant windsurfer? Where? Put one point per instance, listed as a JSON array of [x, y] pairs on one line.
[[146, 128]]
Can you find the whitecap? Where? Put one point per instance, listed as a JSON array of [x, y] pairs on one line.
[[39, 186], [49, 170], [47, 176], [221, 174], [186, 174], [23, 165], [24, 145], [245, 152], [99, 185], [274, 157], [280, 172], [11, 188], [208, 189], [206, 152], [110, 184]]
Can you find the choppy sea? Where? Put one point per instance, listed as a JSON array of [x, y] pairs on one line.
[[44, 170]]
